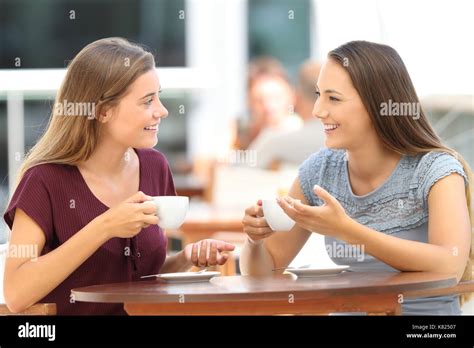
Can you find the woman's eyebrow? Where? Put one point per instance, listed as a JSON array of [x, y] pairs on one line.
[[328, 90], [151, 93], [148, 95], [332, 91]]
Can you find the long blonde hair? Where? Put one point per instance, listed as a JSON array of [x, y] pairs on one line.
[[379, 74], [100, 74]]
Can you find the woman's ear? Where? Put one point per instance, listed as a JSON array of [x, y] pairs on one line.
[[104, 113]]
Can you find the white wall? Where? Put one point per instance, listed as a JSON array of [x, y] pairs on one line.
[[433, 37], [216, 42]]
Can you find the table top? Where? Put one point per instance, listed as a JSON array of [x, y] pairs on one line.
[[277, 287]]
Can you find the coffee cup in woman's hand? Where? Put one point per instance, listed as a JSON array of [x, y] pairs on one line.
[[276, 217], [171, 210], [255, 224]]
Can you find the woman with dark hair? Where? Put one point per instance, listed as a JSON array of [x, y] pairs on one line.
[[384, 182]]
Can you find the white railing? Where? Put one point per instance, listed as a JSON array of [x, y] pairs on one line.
[[49, 80]]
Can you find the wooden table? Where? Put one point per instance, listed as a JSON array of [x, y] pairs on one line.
[[372, 292], [189, 185]]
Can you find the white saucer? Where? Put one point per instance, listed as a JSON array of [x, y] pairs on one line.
[[314, 272], [185, 277]]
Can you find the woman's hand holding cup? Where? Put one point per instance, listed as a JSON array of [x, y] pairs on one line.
[[255, 225], [128, 218]]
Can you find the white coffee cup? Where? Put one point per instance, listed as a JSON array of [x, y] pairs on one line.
[[276, 216], [171, 210]]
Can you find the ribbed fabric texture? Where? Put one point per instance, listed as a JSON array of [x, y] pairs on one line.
[[58, 199]]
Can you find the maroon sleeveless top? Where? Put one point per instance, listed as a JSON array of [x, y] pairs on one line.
[[58, 199]]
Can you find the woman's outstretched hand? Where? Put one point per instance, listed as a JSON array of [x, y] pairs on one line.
[[207, 252], [329, 219]]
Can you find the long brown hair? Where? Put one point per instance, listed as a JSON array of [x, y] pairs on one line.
[[379, 76], [100, 75]]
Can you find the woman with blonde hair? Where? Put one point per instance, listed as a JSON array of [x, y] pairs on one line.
[[84, 190], [385, 181]]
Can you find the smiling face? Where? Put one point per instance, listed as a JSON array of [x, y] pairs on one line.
[[270, 98], [134, 122], [339, 107]]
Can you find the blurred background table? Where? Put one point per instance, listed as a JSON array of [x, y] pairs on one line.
[[204, 220], [189, 185]]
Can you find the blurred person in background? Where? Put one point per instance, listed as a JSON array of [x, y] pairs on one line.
[[294, 147], [271, 100]]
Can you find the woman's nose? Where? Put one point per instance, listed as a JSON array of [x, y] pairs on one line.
[[318, 111], [161, 111]]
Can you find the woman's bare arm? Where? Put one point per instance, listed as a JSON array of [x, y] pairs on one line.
[[278, 250], [28, 279]]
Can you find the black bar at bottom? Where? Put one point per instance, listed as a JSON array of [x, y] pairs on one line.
[[138, 331]]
